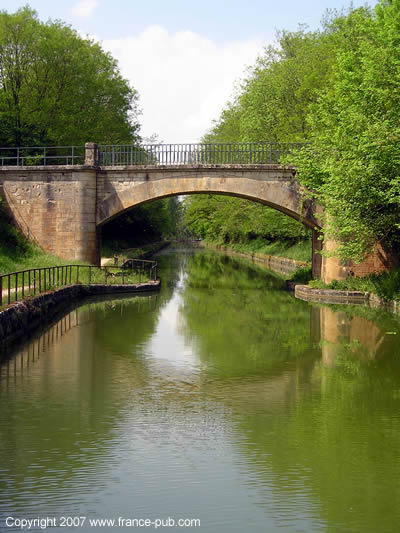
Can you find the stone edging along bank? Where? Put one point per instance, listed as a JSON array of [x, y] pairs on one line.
[[23, 317], [282, 265], [304, 292]]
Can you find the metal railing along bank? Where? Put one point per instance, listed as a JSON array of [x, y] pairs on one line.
[[151, 154], [15, 286]]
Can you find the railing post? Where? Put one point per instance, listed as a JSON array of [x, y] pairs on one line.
[[1, 291], [91, 155]]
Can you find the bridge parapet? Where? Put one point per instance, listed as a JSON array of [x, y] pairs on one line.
[[149, 154], [196, 154]]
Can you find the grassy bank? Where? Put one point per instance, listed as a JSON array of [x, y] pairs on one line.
[[142, 252], [385, 285], [299, 252], [17, 253]]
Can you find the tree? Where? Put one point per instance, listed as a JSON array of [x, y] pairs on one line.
[[58, 88], [354, 165]]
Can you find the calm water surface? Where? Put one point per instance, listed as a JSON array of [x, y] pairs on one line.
[[222, 399]]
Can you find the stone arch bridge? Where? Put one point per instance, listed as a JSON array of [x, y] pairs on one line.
[[61, 201]]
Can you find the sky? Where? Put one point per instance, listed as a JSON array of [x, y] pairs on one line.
[[183, 57]]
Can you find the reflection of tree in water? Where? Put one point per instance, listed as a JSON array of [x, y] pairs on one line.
[[320, 422], [73, 364], [240, 322], [337, 440]]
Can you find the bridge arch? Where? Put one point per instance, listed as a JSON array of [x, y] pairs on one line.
[[277, 190]]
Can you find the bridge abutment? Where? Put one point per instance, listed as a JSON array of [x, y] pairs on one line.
[[55, 208]]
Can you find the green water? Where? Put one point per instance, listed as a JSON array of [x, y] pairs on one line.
[[222, 399]]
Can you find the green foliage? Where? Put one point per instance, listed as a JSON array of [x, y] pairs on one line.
[[338, 88], [354, 164], [225, 220], [17, 253], [386, 285], [303, 275], [58, 88], [146, 223], [300, 251], [271, 105]]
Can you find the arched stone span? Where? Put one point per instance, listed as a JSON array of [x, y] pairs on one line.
[[272, 185], [62, 208]]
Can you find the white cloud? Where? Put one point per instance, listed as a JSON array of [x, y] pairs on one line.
[[183, 79], [84, 8]]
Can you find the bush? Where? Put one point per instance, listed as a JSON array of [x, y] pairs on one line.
[[302, 275]]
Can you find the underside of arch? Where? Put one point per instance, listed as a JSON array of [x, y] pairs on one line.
[[282, 195]]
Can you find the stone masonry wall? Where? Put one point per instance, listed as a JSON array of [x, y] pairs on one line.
[[54, 208]]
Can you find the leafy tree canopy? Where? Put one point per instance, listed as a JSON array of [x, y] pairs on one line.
[[354, 165], [58, 88], [339, 88]]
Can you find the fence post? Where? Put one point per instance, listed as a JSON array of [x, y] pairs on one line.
[[91, 155]]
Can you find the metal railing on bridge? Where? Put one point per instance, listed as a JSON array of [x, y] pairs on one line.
[[196, 154], [150, 154], [42, 155], [15, 286]]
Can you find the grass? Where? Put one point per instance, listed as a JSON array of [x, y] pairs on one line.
[[39, 280], [300, 251], [302, 275], [385, 285], [113, 250], [17, 253]]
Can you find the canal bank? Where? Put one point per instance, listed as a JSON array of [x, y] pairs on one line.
[[331, 296], [22, 318], [143, 252], [286, 266], [280, 265]]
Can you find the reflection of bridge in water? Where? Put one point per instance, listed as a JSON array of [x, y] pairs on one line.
[[329, 330], [28, 351]]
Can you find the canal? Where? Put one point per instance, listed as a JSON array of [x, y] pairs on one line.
[[222, 399]]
